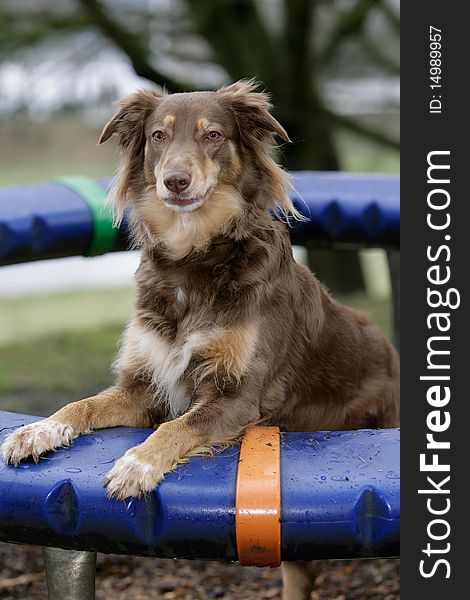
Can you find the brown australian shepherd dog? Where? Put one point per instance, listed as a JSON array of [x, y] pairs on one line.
[[228, 329]]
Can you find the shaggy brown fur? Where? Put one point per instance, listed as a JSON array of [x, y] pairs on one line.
[[228, 330]]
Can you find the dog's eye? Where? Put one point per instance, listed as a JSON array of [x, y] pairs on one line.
[[158, 136], [214, 136]]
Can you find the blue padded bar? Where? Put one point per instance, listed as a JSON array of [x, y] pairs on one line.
[[45, 220], [48, 220], [359, 208], [340, 498], [340, 494]]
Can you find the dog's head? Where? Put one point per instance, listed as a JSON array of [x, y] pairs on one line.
[[197, 158]]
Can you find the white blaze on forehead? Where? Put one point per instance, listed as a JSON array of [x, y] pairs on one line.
[[165, 362]]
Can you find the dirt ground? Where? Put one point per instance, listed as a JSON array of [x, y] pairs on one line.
[[136, 578]]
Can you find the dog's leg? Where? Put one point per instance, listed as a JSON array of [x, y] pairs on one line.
[[297, 580], [212, 421], [117, 405]]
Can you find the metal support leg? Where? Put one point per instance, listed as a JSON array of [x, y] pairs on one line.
[[394, 266], [70, 574]]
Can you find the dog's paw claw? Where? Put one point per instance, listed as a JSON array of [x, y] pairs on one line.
[[132, 477], [35, 439]]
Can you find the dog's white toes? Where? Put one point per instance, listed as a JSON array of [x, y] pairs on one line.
[[132, 476], [35, 439]]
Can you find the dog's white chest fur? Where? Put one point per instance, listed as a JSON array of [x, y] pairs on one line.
[[166, 363]]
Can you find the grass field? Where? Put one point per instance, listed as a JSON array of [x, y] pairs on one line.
[[55, 349], [34, 152], [59, 348]]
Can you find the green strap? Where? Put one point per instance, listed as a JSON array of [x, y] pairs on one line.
[[91, 192]]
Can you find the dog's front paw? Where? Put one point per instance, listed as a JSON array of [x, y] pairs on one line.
[[35, 439], [133, 475]]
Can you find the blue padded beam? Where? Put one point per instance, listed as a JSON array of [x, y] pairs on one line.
[[340, 498], [362, 208], [46, 220], [49, 220]]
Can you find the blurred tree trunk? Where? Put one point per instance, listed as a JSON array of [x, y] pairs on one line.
[[297, 102], [300, 110]]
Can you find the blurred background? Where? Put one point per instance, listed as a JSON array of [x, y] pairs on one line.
[[332, 69]]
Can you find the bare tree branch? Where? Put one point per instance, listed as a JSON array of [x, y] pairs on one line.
[[349, 24], [363, 130], [237, 35], [130, 43], [376, 52], [392, 17], [16, 34]]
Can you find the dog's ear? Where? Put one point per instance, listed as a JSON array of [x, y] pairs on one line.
[[257, 128], [129, 125], [129, 120], [252, 110]]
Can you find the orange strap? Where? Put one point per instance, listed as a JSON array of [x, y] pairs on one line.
[[258, 499]]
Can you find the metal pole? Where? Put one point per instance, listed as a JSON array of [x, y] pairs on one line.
[[70, 574]]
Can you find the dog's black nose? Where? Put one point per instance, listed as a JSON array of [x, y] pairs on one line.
[[177, 181]]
